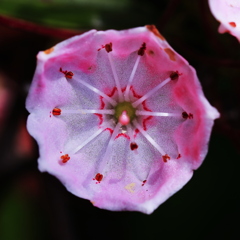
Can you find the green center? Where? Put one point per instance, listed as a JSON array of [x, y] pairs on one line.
[[125, 106]]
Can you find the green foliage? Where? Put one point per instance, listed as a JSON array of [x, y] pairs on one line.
[[63, 13]]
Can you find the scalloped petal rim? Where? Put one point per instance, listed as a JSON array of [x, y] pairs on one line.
[[80, 88]]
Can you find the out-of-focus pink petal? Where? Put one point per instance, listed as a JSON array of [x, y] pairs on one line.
[[227, 12], [79, 91], [6, 99]]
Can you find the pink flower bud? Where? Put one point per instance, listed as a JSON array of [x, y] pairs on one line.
[[120, 118]]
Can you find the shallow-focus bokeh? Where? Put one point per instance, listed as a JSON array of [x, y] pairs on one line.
[[35, 205]]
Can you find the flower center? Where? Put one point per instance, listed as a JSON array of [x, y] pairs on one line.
[[124, 112]]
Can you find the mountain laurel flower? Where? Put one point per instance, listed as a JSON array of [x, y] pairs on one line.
[[227, 12], [120, 118]]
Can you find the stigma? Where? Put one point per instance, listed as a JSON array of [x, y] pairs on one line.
[[124, 119]]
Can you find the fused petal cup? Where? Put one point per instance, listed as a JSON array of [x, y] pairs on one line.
[[120, 118]]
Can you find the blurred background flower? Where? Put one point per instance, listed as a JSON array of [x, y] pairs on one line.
[[227, 13], [35, 205]]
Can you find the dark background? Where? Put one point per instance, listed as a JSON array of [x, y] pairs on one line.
[[35, 205]]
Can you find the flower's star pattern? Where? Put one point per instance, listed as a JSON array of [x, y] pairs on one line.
[[120, 118]]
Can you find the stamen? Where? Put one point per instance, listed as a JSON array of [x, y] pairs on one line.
[[67, 74], [175, 75], [131, 78], [98, 177], [130, 133], [120, 94], [114, 134], [107, 98], [65, 158], [133, 146], [185, 115], [157, 114], [83, 144], [144, 182], [85, 111], [142, 49], [147, 136], [147, 95], [165, 158], [108, 151], [108, 47], [56, 111]]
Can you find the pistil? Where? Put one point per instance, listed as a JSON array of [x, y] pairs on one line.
[[124, 119], [124, 113]]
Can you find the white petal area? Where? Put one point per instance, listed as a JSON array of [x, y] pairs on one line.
[[151, 92], [103, 77], [125, 172], [122, 188], [141, 160], [127, 92], [49, 93], [149, 138], [115, 76], [80, 128], [148, 74], [114, 164], [162, 131], [71, 174], [163, 100]]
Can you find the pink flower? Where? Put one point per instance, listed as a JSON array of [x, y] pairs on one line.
[[227, 12], [120, 118]]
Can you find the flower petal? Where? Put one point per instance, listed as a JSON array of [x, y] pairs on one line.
[[227, 12], [79, 87]]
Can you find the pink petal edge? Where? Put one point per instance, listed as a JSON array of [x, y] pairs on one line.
[[227, 12]]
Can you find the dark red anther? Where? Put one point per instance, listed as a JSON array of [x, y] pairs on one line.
[[101, 47], [165, 158], [184, 115], [175, 75], [56, 111], [187, 116], [233, 24], [179, 155], [108, 47], [142, 49], [143, 182], [67, 74], [65, 158], [190, 116], [98, 177], [133, 146]]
